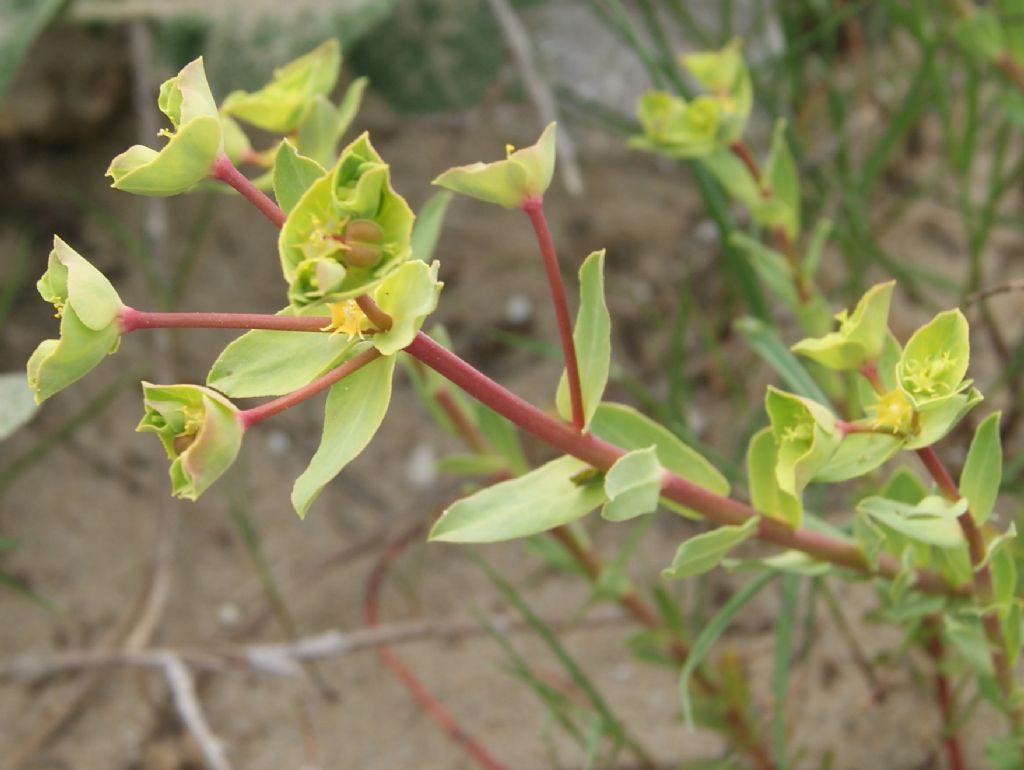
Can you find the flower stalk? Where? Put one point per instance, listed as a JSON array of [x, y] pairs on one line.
[[225, 171], [534, 209]]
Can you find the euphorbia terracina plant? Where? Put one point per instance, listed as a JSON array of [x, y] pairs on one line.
[[357, 289]]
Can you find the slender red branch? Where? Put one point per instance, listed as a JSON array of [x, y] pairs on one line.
[[263, 411], [944, 697], [224, 170], [602, 455], [534, 208], [132, 319], [422, 696]]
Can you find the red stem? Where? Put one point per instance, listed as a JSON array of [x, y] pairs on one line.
[[224, 170], [132, 319], [422, 696], [944, 698], [602, 455], [263, 411], [534, 208]]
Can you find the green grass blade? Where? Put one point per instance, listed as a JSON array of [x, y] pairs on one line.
[[788, 592], [714, 628]]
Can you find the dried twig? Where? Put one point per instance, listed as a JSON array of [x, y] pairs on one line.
[[183, 692]]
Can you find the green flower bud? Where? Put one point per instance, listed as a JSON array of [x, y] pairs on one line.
[[284, 102], [194, 143], [860, 336], [200, 431], [88, 308], [524, 175], [347, 232]]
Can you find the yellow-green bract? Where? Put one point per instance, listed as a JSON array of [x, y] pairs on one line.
[[88, 307], [524, 175], [199, 429], [347, 232], [194, 143]]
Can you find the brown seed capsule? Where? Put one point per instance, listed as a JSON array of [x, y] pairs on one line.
[[364, 231], [361, 254], [183, 442]]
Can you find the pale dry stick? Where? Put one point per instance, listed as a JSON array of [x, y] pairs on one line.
[[518, 41], [282, 658], [187, 705]]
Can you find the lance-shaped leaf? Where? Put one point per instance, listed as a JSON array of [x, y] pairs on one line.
[[194, 143], [547, 497], [264, 362], [524, 175], [347, 232], [318, 135], [88, 308], [782, 207], [282, 104], [704, 552], [931, 521], [805, 435], [199, 430], [293, 175], [592, 338], [633, 485], [860, 337], [408, 295], [935, 359], [983, 469], [628, 429], [765, 494], [677, 127], [858, 454], [427, 229], [355, 409]]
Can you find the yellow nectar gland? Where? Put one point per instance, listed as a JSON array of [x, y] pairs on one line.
[[509, 149], [347, 318], [894, 412], [924, 377]]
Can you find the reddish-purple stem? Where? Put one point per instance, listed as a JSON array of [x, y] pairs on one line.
[[263, 411], [132, 319], [534, 208], [602, 455], [224, 170]]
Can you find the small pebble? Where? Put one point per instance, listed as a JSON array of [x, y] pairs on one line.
[[229, 614], [518, 309], [421, 467]]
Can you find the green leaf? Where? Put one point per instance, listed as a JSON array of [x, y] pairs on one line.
[[783, 180], [980, 33], [704, 552], [524, 175], [709, 635], [408, 295], [355, 409], [932, 521], [17, 405], [733, 176], [679, 128], [790, 562], [284, 102], [905, 486], [593, 341], [629, 429], [293, 174], [858, 454], [935, 359], [633, 485], [271, 363], [1004, 752], [427, 228], [24, 21], [765, 494], [472, 464], [969, 639], [322, 128], [983, 469], [771, 266], [544, 498], [766, 343]]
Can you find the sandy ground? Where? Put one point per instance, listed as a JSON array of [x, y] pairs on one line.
[[86, 516]]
